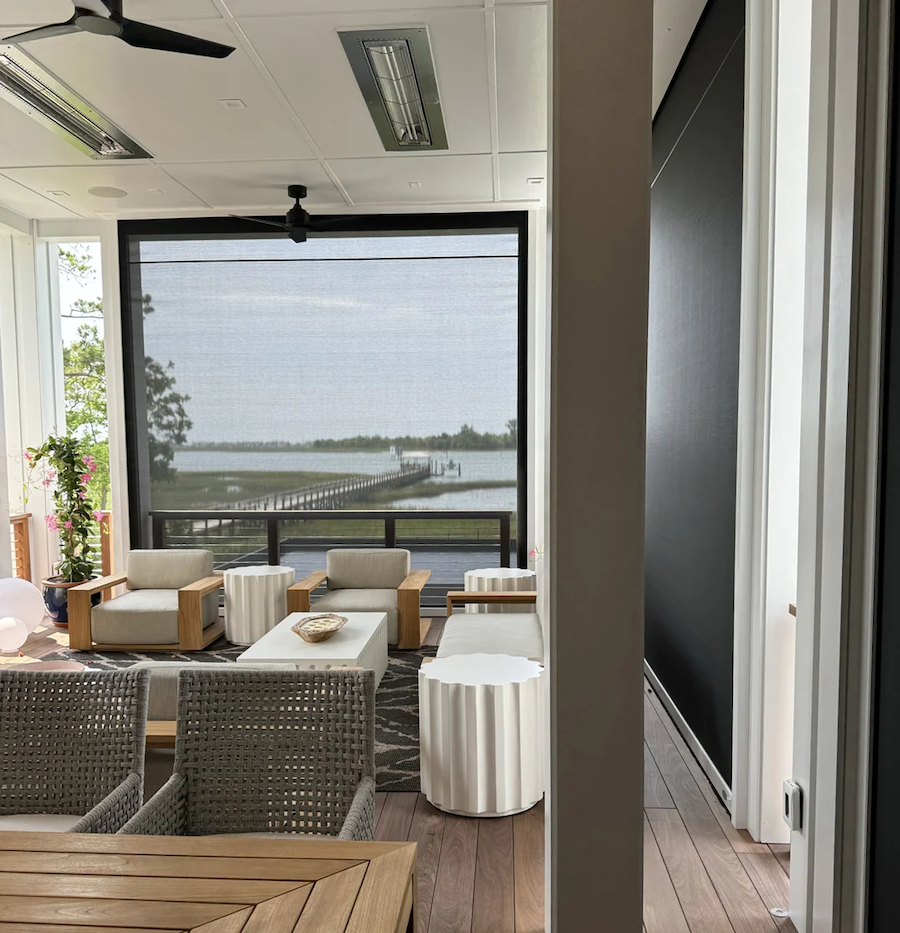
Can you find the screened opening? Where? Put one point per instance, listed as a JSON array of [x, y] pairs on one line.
[[375, 371]]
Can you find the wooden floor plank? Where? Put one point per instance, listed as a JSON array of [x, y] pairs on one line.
[[772, 884], [698, 898], [427, 831], [656, 794], [783, 854], [451, 911], [396, 817], [745, 910], [662, 910], [493, 907], [528, 839]]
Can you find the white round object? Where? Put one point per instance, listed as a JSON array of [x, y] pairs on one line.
[[21, 600], [13, 634], [255, 601], [481, 734], [499, 579]]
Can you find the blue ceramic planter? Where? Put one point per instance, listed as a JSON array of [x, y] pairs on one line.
[[56, 599]]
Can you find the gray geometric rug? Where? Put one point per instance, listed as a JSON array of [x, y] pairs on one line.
[[396, 702]]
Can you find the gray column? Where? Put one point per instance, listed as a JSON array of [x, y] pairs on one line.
[[599, 207]]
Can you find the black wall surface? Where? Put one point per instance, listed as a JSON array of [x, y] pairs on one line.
[[695, 285], [884, 865]]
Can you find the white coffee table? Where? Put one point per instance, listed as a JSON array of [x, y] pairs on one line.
[[481, 734], [362, 642], [255, 601]]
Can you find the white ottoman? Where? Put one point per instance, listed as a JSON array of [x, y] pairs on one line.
[[481, 729], [255, 601], [498, 579]]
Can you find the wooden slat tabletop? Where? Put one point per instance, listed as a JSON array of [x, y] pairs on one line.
[[59, 883]]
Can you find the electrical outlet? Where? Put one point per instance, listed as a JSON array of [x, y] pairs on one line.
[[793, 804]]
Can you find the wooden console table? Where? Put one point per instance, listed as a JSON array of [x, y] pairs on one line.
[[51, 882]]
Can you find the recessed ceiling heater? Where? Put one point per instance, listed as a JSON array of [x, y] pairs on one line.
[[34, 91], [394, 69]]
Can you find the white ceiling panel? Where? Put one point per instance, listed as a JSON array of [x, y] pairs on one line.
[[148, 187], [170, 103], [674, 22], [522, 78], [256, 185], [40, 12], [240, 8], [24, 141], [523, 176], [393, 180], [26, 202], [306, 58]]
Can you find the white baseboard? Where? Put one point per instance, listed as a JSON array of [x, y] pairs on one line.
[[720, 786]]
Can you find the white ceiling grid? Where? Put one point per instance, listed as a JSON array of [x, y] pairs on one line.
[[304, 119]]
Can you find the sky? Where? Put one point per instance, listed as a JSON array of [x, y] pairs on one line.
[[276, 341]]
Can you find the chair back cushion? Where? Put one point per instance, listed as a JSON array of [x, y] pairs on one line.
[[167, 568], [366, 568]]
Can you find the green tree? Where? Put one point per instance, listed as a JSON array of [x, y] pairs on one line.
[[512, 426]]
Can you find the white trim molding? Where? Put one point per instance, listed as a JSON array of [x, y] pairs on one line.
[[719, 784]]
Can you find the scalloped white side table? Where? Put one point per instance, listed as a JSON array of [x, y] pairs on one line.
[[255, 601], [481, 734], [494, 579]]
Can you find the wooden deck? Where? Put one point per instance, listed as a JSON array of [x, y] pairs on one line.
[[701, 875]]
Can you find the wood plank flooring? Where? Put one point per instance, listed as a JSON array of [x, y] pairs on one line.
[[701, 875]]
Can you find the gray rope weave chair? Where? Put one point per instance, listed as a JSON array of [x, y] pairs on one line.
[[269, 752], [71, 749]]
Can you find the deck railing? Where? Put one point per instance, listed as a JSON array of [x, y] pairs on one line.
[[20, 531]]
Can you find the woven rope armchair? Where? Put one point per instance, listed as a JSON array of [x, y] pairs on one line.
[[71, 745], [269, 752]]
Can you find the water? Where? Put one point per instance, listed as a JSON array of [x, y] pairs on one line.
[[475, 466]]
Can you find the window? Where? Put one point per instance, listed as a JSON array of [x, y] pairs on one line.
[[370, 370]]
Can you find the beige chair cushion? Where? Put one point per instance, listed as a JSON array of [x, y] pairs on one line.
[[516, 633], [144, 617], [167, 568], [37, 822], [366, 568], [362, 601]]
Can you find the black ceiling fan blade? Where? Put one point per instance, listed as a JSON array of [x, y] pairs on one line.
[[145, 36], [45, 32], [259, 220]]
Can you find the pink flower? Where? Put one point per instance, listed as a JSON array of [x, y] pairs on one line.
[[68, 524], [98, 515], [85, 478], [52, 522], [82, 494], [46, 482], [30, 458], [51, 474]]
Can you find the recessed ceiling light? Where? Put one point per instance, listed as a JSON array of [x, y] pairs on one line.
[[103, 191], [59, 193], [233, 103], [535, 181], [415, 184]]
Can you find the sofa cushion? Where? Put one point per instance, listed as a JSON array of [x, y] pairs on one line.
[[362, 601], [38, 822], [167, 568], [144, 617], [366, 568], [517, 634], [163, 700]]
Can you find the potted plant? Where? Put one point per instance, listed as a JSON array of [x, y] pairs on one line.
[[65, 466]]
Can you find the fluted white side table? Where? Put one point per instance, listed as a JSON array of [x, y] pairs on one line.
[[494, 579], [255, 601], [481, 734]]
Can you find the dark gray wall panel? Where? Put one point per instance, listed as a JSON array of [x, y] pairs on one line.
[[695, 284]]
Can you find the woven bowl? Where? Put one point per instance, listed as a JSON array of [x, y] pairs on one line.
[[320, 627]]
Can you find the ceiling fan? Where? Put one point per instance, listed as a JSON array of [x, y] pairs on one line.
[[297, 223], [104, 18]]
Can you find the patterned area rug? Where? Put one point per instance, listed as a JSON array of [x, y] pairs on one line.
[[396, 703]]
